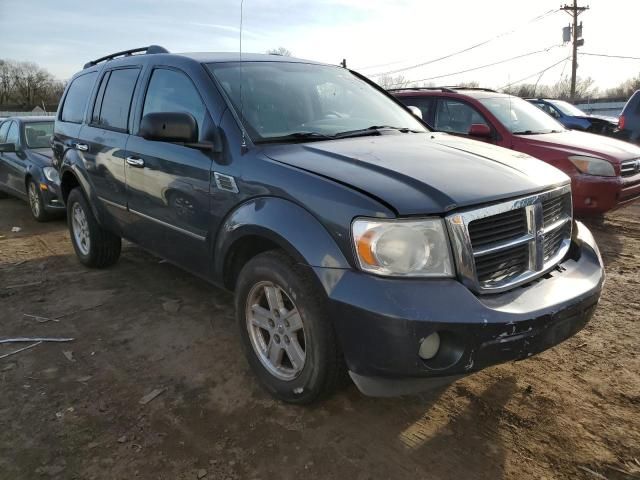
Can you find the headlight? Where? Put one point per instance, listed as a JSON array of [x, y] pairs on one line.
[[411, 248], [51, 174], [593, 166]]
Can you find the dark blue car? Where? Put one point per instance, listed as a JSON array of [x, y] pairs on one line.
[[575, 119], [25, 165]]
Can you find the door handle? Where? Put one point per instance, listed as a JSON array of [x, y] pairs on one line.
[[82, 147], [135, 162]]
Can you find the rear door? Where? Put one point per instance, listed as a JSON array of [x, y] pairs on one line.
[[168, 183], [71, 114], [102, 142]]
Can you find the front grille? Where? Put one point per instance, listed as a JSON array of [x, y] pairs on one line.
[[630, 167], [503, 265], [504, 245], [497, 228]]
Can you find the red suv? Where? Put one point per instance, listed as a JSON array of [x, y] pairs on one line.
[[605, 173]]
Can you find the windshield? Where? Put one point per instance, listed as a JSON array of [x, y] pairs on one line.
[[38, 134], [299, 101], [567, 108], [520, 117]]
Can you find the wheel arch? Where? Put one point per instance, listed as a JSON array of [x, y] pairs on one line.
[[268, 223]]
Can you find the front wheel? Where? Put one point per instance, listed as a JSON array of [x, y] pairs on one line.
[[36, 203], [288, 338], [94, 246]]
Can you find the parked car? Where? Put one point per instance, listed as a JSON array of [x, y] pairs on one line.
[[602, 170], [349, 232], [26, 169], [629, 120], [575, 119]]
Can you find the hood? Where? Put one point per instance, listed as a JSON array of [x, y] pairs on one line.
[[422, 173], [604, 118], [41, 156], [573, 142]]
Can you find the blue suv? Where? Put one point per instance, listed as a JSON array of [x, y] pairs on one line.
[[353, 237]]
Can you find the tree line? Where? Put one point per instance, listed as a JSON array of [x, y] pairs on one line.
[[25, 85]]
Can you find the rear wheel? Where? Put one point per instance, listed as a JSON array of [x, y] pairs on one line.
[[288, 338], [36, 202], [94, 246]]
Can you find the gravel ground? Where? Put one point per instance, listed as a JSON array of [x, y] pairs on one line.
[[74, 410]]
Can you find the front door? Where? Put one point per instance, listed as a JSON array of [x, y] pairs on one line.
[[168, 183], [456, 117], [12, 164]]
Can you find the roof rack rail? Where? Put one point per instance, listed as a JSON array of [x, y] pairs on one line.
[[480, 89], [444, 89], [127, 53]]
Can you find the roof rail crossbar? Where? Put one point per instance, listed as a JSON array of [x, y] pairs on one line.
[[151, 49]]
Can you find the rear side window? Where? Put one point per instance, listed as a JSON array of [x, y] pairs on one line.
[[172, 91], [4, 128], [115, 104], [76, 98]]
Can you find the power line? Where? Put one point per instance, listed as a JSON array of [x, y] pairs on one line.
[[535, 74], [480, 44], [609, 56], [478, 67]]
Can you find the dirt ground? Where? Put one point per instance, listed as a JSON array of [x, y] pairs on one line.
[[72, 410]]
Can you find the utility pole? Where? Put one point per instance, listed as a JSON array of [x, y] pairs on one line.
[[574, 10]]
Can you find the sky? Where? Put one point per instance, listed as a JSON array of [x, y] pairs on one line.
[[374, 36]]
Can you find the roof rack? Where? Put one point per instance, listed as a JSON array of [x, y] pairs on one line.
[[127, 53], [443, 89], [479, 89]]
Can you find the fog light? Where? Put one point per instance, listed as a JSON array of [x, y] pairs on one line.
[[429, 346]]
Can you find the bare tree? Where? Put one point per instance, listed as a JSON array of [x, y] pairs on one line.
[[285, 52], [387, 81], [26, 84]]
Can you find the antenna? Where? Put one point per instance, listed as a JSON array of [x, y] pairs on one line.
[[243, 145]]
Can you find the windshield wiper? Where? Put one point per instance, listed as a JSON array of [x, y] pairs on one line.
[[296, 137], [372, 130]]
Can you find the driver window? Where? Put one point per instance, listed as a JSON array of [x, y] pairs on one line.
[[4, 128], [552, 111], [14, 135], [456, 117]]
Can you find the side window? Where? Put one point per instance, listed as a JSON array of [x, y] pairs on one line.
[[456, 116], [13, 136], [76, 98], [4, 128], [423, 103], [172, 91], [116, 101]]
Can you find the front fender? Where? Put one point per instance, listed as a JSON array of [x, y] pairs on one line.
[[285, 223], [73, 165]]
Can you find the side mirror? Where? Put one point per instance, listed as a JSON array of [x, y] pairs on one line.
[[416, 111], [169, 127], [7, 147], [479, 130]]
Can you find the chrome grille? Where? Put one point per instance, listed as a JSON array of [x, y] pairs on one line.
[[630, 167], [510, 243]]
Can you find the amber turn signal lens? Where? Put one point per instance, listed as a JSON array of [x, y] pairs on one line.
[[365, 250]]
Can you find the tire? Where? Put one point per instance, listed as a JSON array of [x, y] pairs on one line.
[[322, 367], [94, 246], [36, 203], [3, 195]]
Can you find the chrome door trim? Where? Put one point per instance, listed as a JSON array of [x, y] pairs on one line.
[[168, 225]]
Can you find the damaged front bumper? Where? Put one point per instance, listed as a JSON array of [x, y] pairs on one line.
[[381, 321]]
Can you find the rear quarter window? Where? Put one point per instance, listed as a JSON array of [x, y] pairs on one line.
[[76, 99]]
